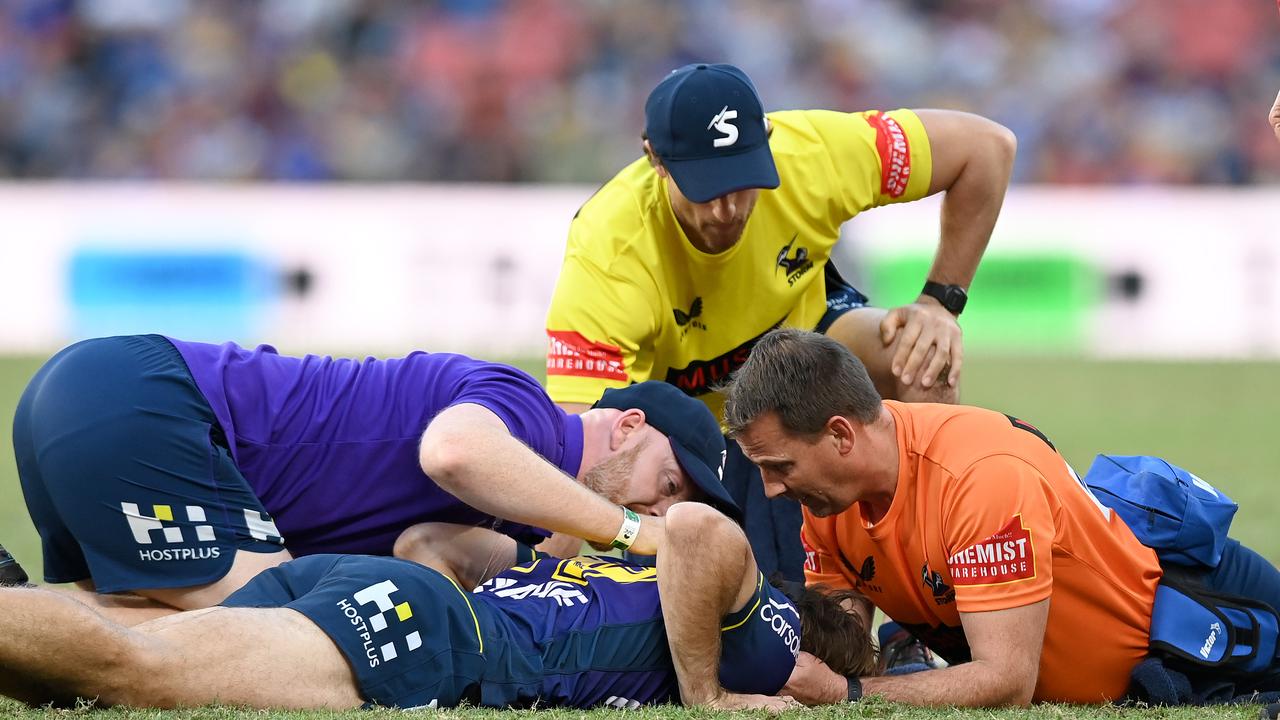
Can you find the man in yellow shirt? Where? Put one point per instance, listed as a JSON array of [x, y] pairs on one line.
[[724, 230]]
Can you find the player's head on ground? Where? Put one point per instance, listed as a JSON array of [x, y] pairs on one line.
[[657, 447], [706, 135], [801, 407], [829, 630]]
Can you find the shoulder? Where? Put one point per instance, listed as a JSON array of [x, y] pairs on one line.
[[956, 437], [621, 216]]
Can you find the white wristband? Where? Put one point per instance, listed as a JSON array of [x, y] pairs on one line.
[[629, 530]]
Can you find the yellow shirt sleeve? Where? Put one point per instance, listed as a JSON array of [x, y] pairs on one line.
[[878, 157], [599, 322]]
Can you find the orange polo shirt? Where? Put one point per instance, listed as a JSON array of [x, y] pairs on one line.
[[988, 516]]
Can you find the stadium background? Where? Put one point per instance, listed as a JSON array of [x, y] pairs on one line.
[[361, 177]]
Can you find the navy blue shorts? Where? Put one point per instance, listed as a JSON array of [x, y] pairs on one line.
[[126, 474], [411, 635], [841, 297]]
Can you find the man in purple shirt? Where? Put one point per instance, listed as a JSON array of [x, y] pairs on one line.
[[178, 470]]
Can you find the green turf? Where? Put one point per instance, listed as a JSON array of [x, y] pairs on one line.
[[1216, 419]]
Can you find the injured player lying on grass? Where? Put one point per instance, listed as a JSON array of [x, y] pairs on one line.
[[331, 631]]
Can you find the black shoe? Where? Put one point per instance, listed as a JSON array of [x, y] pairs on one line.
[[11, 573]]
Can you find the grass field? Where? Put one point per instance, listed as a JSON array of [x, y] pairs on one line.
[[1218, 420]]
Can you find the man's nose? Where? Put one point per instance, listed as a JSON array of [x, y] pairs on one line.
[[773, 488], [724, 208]]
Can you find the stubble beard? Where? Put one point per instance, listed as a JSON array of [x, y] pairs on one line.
[[608, 478]]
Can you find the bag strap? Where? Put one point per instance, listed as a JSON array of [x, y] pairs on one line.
[[1198, 628]]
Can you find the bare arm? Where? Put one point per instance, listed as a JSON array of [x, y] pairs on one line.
[[1005, 645], [561, 545], [468, 451], [972, 164], [705, 571], [469, 555]]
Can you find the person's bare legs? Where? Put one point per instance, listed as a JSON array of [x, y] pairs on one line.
[[859, 330], [54, 649], [138, 606]]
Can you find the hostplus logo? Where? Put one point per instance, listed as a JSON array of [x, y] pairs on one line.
[[160, 528], [379, 596], [689, 320], [795, 262]]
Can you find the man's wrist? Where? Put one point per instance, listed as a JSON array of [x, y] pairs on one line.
[[629, 531], [951, 297], [854, 689]]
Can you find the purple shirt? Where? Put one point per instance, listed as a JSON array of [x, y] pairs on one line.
[[330, 446]]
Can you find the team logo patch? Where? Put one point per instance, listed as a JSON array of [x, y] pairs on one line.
[[895, 154], [932, 579], [795, 262], [729, 131], [1007, 556], [379, 596], [569, 353], [688, 320]]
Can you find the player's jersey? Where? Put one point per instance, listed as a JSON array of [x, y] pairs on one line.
[[636, 301], [595, 625], [330, 446], [988, 516]]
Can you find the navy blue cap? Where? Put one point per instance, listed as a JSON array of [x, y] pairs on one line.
[[695, 435], [706, 124]]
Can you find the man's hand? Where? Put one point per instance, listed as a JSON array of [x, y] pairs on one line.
[[813, 683], [928, 340], [1274, 117], [734, 701]]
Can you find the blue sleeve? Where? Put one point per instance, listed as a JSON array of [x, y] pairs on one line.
[[759, 642]]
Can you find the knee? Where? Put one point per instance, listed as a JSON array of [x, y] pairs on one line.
[[130, 673], [696, 521], [939, 392], [417, 538]]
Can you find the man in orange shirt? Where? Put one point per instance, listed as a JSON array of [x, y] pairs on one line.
[[963, 524]]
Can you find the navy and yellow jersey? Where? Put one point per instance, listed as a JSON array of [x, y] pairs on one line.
[[595, 624], [636, 301], [581, 633]]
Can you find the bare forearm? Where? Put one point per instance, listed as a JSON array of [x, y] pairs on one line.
[[973, 201], [701, 571], [972, 684], [472, 456]]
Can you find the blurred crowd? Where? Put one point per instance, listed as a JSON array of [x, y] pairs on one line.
[[1098, 91]]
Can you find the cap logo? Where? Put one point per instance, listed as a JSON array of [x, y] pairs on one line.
[[721, 123]]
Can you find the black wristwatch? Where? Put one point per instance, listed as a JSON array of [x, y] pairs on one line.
[[855, 689], [952, 297]]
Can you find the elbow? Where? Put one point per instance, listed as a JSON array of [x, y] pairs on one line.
[[1003, 145], [1018, 694], [443, 457], [415, 540]]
